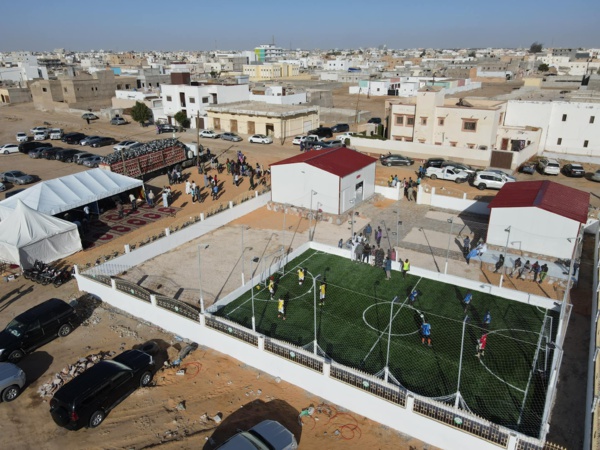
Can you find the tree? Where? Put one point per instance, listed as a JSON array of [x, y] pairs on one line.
[[536, 47], [182, 119], [141, 113], [472, 54], [543, 67]]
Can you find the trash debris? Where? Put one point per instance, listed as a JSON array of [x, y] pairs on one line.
[[180, 372], [277, 380], [181, 406], [217, 418], [306, 412], [184, 352]]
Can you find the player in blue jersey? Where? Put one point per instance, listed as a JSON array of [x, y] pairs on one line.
[[426, 332], [467, 301], [413, 296], [487, 320]]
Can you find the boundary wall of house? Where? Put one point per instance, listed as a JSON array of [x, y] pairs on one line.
[[456, 204], [592, 416], [430, 421]]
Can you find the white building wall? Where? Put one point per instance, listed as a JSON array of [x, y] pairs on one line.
[[293, 99], [533, 230], [348, 187]]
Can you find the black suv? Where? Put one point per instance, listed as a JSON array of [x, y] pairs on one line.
[[166, 128], [322, 132], [340, 128], [73, 138], [36, 327], [434, 162], [26, 147], [88, 398], [376, 120], [66, 155]]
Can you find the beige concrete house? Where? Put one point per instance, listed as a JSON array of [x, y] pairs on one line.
[[277, 121], [270, 71], [10, 95]]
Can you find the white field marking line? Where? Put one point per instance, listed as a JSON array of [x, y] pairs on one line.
[[522, 391], [265, 300], [379, 331], [388, 325]]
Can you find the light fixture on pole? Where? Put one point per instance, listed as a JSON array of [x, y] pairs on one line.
[[505, 251], [310, 237], [200, 248], [243, 250], [387, 231], [451, 222], [398, 225], [353, 203], [387, 358], [315, 311]]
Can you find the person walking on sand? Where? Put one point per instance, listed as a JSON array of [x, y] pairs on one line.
[[388, 268]]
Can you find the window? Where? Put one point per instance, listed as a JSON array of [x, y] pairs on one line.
[[421, 141], [64, 89], [592, 118], [169, 99], [585, 144], [399, 120], [500, 119], [564, 118], [441, 121], [438, 143], [471, 145], [44, 90], [469, 125], [410, 121], [424, 121], [192, 100], [452, 144], [559, 141], [204, 99]]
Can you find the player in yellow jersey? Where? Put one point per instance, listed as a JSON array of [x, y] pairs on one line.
[[300, 276], [322, 289]]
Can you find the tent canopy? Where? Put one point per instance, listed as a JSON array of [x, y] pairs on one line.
[[72, 191], [27, 235]]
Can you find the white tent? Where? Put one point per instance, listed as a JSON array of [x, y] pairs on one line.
[[27, 235], [72, 191]]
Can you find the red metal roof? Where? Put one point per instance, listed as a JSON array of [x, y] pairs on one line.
[[338, 161], [547, 195]]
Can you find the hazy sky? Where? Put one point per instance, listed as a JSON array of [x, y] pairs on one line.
[[242, 25]]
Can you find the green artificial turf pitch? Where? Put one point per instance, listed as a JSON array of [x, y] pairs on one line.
[[352, 329]]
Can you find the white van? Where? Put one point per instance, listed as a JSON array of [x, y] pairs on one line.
[[40, 135], [56, 133], [490, 180]]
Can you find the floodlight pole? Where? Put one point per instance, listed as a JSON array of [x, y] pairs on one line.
[[387, 358], [200, 276], [451, 222], [315, 311], [504, 264], [243, 249], [462, 346], [353, 203], [398, 223], [310, 235], [387, 232]]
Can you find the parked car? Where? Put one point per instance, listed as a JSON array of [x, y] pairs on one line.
[[448, 173], [485, 179], [596, 176], [268, 434], [322, 132], [26, 147], [227, 136], [102, 141], [434, 162], [36, 327], [89, 397], [298, 139], [40, 135], [396, 160], [460, 166], [166, 128], [549, 166], [317, 145], [88, 140], [36, 153], [334, 143], [2, 187], [80, 157], [528, 167], [340, 128], [89, 116], [573, 170], [12, 380], [36, 129], [376, 120], [9, 148], [260, 139], [73, 138], [16, 177], [209, 134], [118, 121], [56, 133], [66, 155], [92, 161], [15, 192], [346, 135], [22, 137], [124, 145], [50, 152]]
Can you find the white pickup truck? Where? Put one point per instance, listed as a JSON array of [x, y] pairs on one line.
[[56, 133], [447, 173]]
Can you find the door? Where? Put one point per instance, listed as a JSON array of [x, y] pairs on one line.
[[121, 387], [251, 128], [359, 191], [200, 123], [270, 128], [233, 124], [504, 144], [306, 126], [501, 160], [217, 123], [33, 337]]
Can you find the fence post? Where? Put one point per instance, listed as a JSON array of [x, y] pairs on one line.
[[127, 248], [261, 343], [410, 402], [153, 299], [512, 441], [202, 217], [327, 368], [202, 319], [230, 204], [76, 269], [113, 283], [167, 231]]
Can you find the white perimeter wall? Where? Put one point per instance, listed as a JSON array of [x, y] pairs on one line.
[[533, 230]]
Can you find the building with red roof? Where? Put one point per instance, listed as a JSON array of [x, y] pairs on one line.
[[540, 217], [333, 180]]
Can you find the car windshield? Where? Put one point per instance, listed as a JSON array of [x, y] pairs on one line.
[[17, 173], [15, 328]]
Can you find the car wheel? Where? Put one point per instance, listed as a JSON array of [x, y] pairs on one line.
[[15, 356], [10, 393], [481, 186], [97, 418], [433, 176], [145, 379], [388, 164], [65, 330], [460, 180], [6, 152]]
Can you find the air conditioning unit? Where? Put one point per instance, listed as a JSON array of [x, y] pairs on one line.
[[483, 147]]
